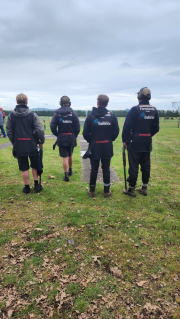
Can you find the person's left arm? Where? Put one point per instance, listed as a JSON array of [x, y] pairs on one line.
[[76, 124], [155, 126], [39, 130]]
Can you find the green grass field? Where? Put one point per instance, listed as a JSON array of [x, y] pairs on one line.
[[65, 255]]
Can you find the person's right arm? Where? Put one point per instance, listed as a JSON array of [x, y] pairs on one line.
[[54, 124], [155, 126], [128, 124], [87, 129]]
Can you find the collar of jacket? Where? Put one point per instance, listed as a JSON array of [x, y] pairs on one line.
[[21, 110], [24, 106], [99, 111], [65, 110], [144, 102]]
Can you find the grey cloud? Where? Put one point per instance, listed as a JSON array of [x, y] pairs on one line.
[[125, 65], [175, 73], [83, 48]]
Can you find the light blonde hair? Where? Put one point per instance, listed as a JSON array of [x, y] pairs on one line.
[[21, 98], [103, 100]]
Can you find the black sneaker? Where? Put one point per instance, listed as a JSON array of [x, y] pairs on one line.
[[26, 190], [66, 179], [38, 188], [70, 172]]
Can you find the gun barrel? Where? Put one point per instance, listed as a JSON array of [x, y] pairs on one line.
[[124, 164]]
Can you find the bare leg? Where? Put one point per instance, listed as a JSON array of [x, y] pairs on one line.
[[70, 161], [35, 175], [65, 164], [25, 176]]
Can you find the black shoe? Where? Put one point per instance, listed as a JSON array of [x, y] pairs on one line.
[[38, 188], [26, 190], [70, 172], [66, 177]]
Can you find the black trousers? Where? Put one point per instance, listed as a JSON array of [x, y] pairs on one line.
[[105, 165], [136, 159]]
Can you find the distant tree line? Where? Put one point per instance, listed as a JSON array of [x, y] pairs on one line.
[[169, 113], [120, 113]]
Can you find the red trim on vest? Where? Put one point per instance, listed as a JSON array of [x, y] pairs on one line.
[[106, 141], [24, 139], [66, 133], [144, 134]]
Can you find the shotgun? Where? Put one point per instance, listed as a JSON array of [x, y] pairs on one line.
[[124, 165], [41, 160], [124, 156]]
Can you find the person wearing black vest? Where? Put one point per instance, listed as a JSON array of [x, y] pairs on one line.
[[21, 124], [100, 130], [65, 125], [142, 122]]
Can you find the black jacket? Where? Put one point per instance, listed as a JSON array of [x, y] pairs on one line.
[[65, 125], [143, 120], [100, 130], [21, 124]]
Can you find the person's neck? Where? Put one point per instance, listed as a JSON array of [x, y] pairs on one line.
[[144, 102]]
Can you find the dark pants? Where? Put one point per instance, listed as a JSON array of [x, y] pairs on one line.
[[136, 158], [2, 130], [105, 165]]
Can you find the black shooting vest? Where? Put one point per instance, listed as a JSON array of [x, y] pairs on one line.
[[24, 143], [66, 136], [101, 136], [141, 139]]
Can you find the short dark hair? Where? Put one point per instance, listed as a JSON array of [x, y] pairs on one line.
[[65, 101], [103, 99]]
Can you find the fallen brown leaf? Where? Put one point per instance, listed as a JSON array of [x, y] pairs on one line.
[[144, 242], [116, 272], [95, 258], [140, 283], [10, 313], [150, 307]]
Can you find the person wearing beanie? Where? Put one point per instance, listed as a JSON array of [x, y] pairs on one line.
[[141, 124], [22, 124], [100, 130], [66, 126]]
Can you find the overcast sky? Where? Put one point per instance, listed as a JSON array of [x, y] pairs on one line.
[[82, 48]]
